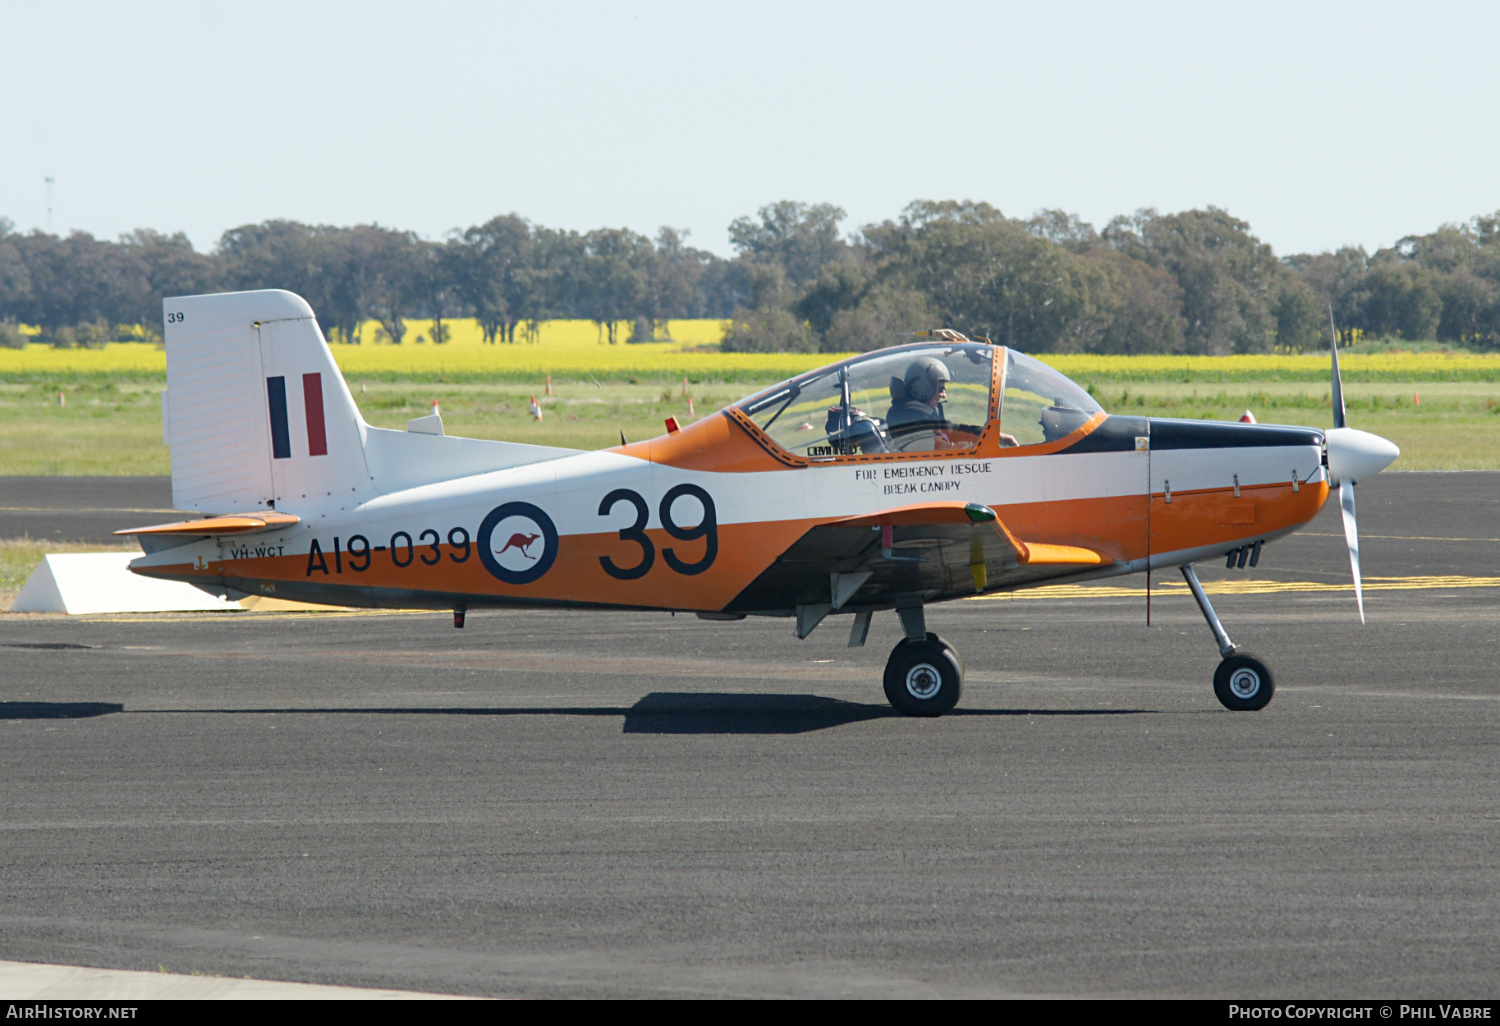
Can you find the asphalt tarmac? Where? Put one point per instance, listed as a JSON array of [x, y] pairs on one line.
[[571, 804], [86, 509]]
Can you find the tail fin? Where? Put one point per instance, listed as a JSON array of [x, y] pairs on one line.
[[238, 364]]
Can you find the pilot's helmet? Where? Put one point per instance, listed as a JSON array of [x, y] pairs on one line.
[[925, 377]]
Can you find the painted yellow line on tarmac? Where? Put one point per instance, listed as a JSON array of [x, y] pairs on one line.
[[1397, 537], [1259, 587]]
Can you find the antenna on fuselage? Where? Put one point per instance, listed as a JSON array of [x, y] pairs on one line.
[[601, 388]]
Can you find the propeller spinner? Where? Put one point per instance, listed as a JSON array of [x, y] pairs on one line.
[[1352, 455]]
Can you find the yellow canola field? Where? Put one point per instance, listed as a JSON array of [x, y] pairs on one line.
[[565, 349], [465, 333], [572, 350], [122, 359], [1377, 366]]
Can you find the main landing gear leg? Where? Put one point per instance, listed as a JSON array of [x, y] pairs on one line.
[[1242, 682], [924, 675]]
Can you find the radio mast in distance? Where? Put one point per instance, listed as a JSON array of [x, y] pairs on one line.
[[49, 180]]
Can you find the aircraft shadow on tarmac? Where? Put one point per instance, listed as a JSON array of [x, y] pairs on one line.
[[688, 712], [661, 712], [57, 710]]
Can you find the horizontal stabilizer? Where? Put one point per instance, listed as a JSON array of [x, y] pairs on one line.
[[235, 523]]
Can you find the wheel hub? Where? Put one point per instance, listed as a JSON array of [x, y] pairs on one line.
[[923, 681], [1244, 683]]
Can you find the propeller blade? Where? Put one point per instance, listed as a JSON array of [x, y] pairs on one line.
[[1338, 381], [1351, 535]]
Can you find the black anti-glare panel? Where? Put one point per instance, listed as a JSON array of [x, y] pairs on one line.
[[1218, 434], [1116, 434]]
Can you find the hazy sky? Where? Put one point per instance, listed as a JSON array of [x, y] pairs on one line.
[[1320, 124]]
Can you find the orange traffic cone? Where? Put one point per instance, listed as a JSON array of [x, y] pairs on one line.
[[549, 384], [536, 408], [1248, 418], [690, 407]]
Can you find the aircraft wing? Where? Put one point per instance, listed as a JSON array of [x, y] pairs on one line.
[[930, 548]]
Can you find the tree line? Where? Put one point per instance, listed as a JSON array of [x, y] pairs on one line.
[[1192, 282]]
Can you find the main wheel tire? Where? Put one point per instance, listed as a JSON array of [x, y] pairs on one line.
[[1243, 683], [924, 678]]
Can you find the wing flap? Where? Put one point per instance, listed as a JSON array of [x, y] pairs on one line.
[[937, 549], [971, 515], [1040, 554]]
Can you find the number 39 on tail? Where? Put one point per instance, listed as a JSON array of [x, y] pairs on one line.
[[921, 473]]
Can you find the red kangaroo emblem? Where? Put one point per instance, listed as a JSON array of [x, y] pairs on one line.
[[520, 541]]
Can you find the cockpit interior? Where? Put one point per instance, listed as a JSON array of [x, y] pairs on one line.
[[919, 398]]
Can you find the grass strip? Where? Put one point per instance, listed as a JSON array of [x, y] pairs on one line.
[[20, 556]]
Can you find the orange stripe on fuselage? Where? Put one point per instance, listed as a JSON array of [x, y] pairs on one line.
[[1206, 518], [577, 575], [1118, 525], [1115, 526]]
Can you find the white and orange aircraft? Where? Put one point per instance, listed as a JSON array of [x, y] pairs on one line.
[[921, 473]]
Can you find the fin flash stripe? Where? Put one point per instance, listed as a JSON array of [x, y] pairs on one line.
[[312, 398], [281, 436]]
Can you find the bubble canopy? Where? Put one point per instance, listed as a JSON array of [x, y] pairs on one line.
[[919, 398], [1040, 404]]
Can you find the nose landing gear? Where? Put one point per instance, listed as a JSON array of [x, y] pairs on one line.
[[1242, 683]]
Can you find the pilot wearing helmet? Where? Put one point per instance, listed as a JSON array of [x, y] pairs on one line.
[[916, 419], [917, 397]]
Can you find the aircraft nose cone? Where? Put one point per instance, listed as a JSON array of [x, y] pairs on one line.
[[1354, 455]]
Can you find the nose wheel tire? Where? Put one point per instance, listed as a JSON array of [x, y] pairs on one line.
[[1243, 683], [924, 678]]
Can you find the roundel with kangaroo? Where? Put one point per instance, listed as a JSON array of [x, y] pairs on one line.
[[517, 542]]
